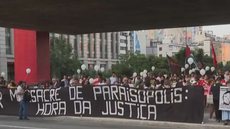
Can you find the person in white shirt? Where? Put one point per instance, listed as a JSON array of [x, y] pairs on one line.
[[23, 105], [113, 79]]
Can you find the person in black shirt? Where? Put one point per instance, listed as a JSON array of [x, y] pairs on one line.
[[215, 90]]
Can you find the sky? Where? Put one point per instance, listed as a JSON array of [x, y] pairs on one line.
[[219, 30]]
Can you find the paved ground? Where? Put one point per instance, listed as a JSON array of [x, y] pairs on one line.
[[66, 122], [11, 122]]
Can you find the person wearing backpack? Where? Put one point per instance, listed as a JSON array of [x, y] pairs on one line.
[[23, 102]]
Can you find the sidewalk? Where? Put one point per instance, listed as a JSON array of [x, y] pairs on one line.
[[208, 123]]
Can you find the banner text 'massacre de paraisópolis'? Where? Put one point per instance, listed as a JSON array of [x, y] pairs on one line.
[[181, 104]]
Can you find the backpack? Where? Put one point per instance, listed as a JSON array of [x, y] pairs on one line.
[[27, 96]]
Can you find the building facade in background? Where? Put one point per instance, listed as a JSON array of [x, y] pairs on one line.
[[163, 42], [6, 53], [103, 49]]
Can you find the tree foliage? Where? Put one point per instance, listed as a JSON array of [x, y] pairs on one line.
[[63, 61], [130, 63]]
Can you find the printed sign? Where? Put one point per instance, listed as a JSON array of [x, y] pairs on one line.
[[224, 98]]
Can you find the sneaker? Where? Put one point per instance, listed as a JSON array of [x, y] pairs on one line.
[[20, 118], [225, 123], [26, 119]]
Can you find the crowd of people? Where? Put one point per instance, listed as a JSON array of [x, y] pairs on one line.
[[210, 83]]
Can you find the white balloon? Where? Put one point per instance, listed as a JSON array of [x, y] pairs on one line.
[[96, 67], [207, 68], [212, 69], [91, 80], [134, 74], [182, 69], [102, 69], [186, 66], [202, 72], [190, 71], [78, 71], [83, 67], [144, 75], [3, 74], [28, 71], [141, 73], [153, 68], [145, 71], [190, 60], [193, 70]]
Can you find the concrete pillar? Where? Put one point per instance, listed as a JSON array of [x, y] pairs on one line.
[[3, 59], [91, 43], [31, 51], [114, 46], [103, 45], [109, 51], [85, 49], [98, 52]]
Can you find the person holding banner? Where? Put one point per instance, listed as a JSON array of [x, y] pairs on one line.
[[23, 104], [204, 83]]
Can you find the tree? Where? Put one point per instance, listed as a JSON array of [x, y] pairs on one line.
[[180, 57], [63, 60], [130, 63], [122, 70]]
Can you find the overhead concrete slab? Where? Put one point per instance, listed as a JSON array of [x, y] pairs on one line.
[[85, 16]]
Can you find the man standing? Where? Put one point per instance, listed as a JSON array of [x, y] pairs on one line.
[[113, 79], [23, 104], [215, 90]]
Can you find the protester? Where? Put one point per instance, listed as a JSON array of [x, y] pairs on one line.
[[125, 82], [210, 99], [74, 81], [23, 103], [215, 90], [12, 84], [55, 83], [113, 79], [2, 82], [64, 81]]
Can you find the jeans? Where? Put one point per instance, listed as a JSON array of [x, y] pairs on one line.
[[23, 109]]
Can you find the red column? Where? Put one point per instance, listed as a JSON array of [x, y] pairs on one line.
[[31, 51]]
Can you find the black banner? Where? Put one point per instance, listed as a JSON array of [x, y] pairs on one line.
[[182, 104]]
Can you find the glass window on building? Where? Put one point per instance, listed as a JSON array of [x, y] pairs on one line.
[[8, 41], [10, 70], [160, 48], [103, 65], [123, 48], [123, 40]]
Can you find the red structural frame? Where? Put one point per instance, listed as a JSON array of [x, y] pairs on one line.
[[31, 51]]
